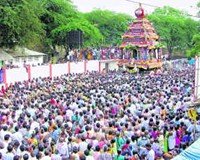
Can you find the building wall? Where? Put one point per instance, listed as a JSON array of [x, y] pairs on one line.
[[113, 66], [54, 70], [16, 75], [109, 65], [29, 60]]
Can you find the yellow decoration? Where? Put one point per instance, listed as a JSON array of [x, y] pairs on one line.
[[192, 113]]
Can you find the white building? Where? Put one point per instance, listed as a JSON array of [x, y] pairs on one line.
[[23, 56]]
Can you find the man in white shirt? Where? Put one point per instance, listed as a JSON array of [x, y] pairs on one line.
[[8, 155], [17, 135], [88, 156], [83, 145], [150, 152], [62, 148], [46, 156], [172, 139]]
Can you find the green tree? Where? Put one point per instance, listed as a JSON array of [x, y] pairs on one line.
[[195, 50], [56, 13], [195, 47], [20, 23], [175, 28], [112, 25], [61, 17], [191, 28], [91, 34]]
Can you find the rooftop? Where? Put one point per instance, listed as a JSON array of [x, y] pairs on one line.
[[4, 56], [24, 52]]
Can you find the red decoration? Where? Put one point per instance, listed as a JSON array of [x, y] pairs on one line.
[[139, 13]]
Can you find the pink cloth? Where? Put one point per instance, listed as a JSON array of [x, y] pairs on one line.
[[101, 144], [53, 101], [178, 138], [96, 155], [155, 134]]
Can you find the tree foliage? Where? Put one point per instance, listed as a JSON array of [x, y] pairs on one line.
[[56, 13], [61, 17], [45, 22], [175, 28], [112, 25], [20, 23], [91, 34], [195, 50]]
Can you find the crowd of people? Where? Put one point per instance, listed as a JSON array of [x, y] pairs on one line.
[[104, 53], [96, 54], [99, 116]]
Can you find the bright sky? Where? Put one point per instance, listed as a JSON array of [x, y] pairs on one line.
[[127, 7]]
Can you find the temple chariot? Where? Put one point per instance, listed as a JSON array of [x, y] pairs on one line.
[[142, 43]]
